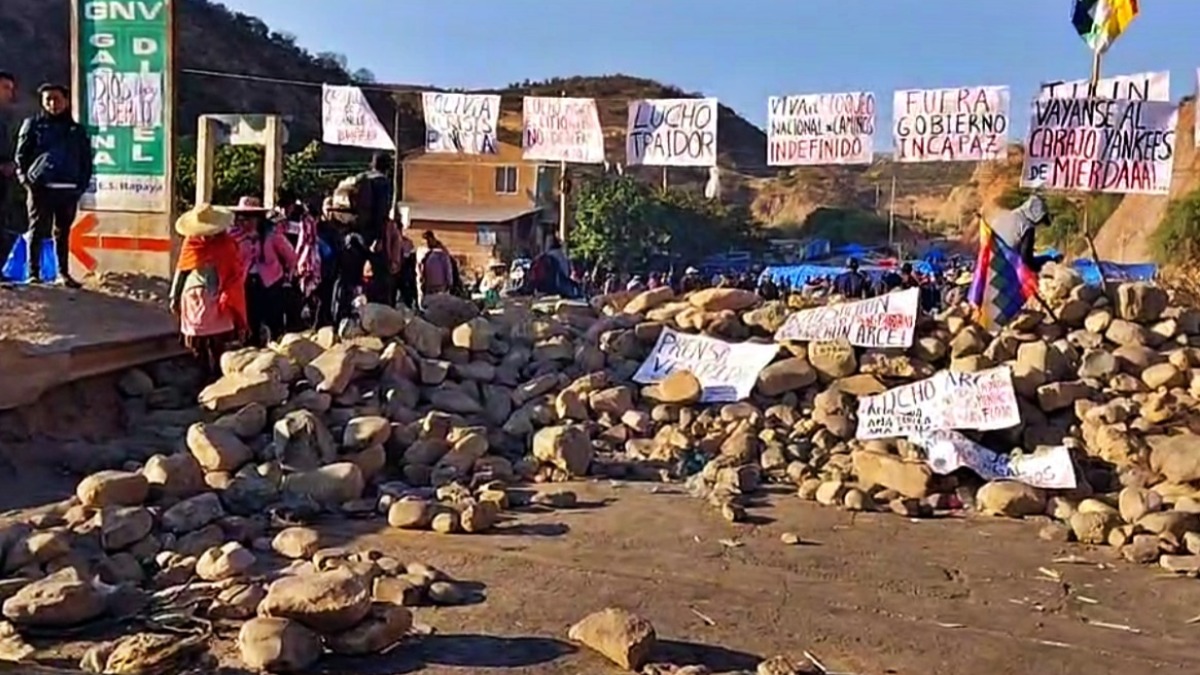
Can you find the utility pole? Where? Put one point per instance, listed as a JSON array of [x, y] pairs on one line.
[[564, 186], [892, 212]]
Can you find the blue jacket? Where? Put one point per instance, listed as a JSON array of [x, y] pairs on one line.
[[54, 149]]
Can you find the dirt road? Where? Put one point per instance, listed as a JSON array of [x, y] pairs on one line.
[[870, 594]]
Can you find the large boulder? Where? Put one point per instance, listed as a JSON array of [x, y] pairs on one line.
[[330, 485], [382, 320], [621, 636], [567, 447], [1010, 498], [332, 371], [327, 602], [910, 479], [722, 299], [1176, 458], [447, 311], [177, 475], [302, 442], [1140, 301], [113, 488], [679, 388], [232, 392], [278, 645], [648, 300], [787, 375], [61, 599], [474, 335], [193, 513], [385, 625], [217, 448]]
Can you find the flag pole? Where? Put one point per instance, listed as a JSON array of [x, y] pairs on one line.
[[1093, 86]]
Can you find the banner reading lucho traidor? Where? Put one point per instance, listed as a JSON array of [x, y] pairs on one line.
[[122, 80]]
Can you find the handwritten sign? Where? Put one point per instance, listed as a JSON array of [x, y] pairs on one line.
[[461, 123], [727, 371], [562, 130], [1101, 145], [1139, 87], [948, 451], [943, 401], [963, 124], [885, 321], [821, 129], [348, 119], [672, 132]]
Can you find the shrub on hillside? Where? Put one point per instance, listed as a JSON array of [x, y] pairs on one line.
[[1177, 238]]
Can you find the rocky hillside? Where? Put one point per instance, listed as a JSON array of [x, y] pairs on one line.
[[214, 38]]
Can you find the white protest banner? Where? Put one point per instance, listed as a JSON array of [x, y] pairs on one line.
[[1139, 87], [347, 119], [672, 132], [948, 451], [885, 321], [902, 410], [962, 124], [463, 123], [821, 129], [1101, 145], [559, 129], [727, 371], [983, 400], [948, 400]]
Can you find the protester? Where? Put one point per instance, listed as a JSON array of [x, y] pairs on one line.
[[635, 285], [493, 283], [691, 281], [54, 163], [1018, 229], [406, 277], [308, 269], [655, 281], [851, 284], [270, 263], [907, 279], [208, 290], [8, 164], [435, 268]]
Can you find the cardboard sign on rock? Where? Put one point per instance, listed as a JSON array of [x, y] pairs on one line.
[[727, 371], [348, 119], [963, 124], [948, 451], [462, 123], [821, 129], [562, 130], [1101, 145], [984, 400], [885, 321], [1139, 87], [672, 132]]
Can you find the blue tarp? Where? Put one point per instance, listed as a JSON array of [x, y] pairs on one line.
[[797, 275], [1113, 271]]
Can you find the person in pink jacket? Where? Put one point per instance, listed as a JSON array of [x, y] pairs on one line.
[[270, 263]]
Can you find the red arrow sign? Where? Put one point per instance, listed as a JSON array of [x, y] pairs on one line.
[[83, 240]]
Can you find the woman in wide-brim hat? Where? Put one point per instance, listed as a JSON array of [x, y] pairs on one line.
[[208, 290], [270, 264]]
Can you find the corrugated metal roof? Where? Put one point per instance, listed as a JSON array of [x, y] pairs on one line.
[[466, 213]]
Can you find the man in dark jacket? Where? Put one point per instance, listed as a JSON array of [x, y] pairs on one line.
[[54, 163], [8, 164], [852, 284]]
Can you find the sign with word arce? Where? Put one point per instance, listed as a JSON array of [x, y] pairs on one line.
[[672, 132], [462, 123], [348, 119], [1101, 145], [557, 129], [961, 124], [888, 320], [821, 129], [123, 76]]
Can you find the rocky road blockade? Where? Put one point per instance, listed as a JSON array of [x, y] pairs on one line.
[[215, 518]]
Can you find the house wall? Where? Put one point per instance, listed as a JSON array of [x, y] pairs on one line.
[[438, 178]]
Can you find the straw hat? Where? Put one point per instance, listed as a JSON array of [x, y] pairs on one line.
[[204, 220], [249, 205]]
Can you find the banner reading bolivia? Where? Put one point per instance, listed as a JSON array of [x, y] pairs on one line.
[[122, 83]]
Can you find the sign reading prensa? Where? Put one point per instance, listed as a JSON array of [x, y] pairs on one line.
[[1101, 145], [886, 321], [672, 132], [461, 123], [947, 451], [727, 371], [124, 71], [983, 400], [821, 129], [348, 119], [562, 130], [964, 124]]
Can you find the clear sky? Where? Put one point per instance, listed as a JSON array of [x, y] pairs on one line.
[[740, 51]]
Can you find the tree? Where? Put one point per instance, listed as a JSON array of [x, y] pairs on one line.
[[621, 223], [363, 76], [333, 60], [239, 171]]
